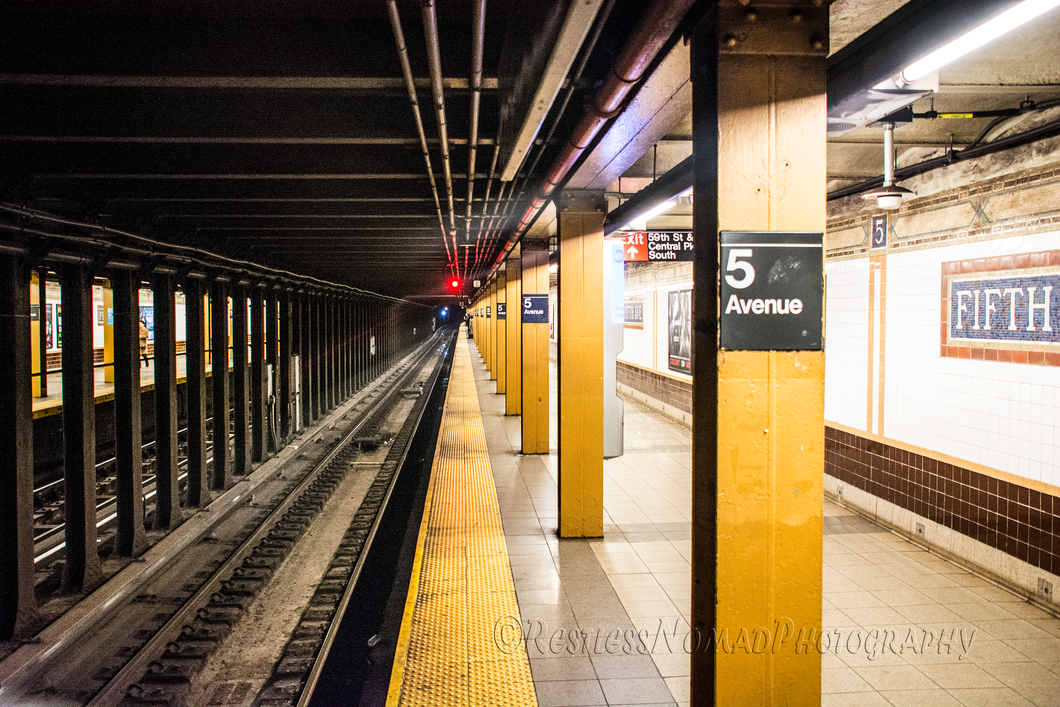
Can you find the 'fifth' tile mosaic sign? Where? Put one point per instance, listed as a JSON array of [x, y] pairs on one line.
[[1003, 309]]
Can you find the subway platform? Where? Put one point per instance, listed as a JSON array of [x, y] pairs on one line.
[[606, 621]]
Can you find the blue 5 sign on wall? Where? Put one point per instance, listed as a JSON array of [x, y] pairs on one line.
[[879, 231], [772, 291]]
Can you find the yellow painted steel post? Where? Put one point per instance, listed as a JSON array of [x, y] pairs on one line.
[[34, 334], [491, 333], [513, 400], [487, 313], [581, 364], [108, 332], [535, 373], [500, 334], [759, 115]]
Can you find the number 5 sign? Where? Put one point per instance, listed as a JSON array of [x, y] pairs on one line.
[[772, 291]]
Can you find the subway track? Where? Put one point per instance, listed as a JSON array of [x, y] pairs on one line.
[[148, 643], [49, 502]]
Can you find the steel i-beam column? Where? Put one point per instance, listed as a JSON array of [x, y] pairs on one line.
[[332, 352], [372, 357], [759, 115], [323, 354], [319, 394], [305, 351], [167, 499], [195, 364], [18, 606], [130, 540], [272, 343], [581, 364], [221, 476], [347, 351], [535, 351], [240, 382], [82, 568], [258, 372], [288, 346], [513, 369]]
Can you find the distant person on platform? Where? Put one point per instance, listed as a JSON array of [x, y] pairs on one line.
[[467, 323], [144, 333]]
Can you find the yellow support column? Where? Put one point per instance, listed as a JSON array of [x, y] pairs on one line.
[[500, 333], [535, 350], [34, 333], [513, 400], [759, 115], [108, 332], [487, 314], [491, 331], [581, 364]]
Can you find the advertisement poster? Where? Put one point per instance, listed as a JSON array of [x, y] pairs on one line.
[[58, 326], [147, 316], [679, 343], [49, 327], [635, 312]]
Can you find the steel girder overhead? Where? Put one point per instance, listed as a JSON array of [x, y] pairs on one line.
[[383, 145]]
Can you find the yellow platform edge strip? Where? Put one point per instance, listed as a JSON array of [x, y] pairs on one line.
[[461, 514]]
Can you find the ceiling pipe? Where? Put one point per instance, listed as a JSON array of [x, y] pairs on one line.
[[572, 84], [434, 61], [410, 86], [478, 40], [660, 21], [486, 199]]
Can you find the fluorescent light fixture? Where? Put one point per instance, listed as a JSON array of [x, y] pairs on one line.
[[640, 222], [981, 35]]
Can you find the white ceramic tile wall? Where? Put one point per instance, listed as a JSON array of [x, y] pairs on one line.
[[1001, 415], [846, 342], [637, 345]]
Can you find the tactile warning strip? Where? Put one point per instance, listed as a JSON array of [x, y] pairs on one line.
[[455, 646]]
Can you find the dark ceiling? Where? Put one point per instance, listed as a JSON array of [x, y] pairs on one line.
[[279, 132]]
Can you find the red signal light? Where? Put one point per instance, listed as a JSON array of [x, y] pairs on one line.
[[454, 283]]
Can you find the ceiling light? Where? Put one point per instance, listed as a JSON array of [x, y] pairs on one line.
[[890, 195], [640, 224], [984, 33]]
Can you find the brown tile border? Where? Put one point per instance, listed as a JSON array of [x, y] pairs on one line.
[[1020, 519], [675, 392]]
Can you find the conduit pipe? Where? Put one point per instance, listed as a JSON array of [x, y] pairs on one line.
[[410, 85], [434, 61], [654, 31], [478, 40]]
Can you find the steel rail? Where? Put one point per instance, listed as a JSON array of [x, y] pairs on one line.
[[117, 686]]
